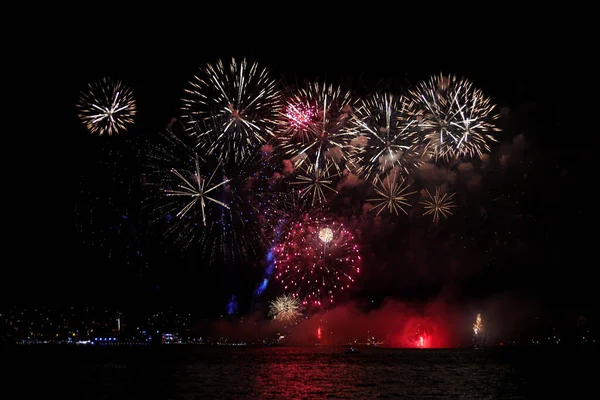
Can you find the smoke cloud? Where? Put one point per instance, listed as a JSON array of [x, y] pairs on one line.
[[349, 180], [288, 167], [266, 150], [442, 323]]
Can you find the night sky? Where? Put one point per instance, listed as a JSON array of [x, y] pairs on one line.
[[524, 224]]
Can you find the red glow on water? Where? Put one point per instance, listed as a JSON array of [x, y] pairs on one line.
[[319, 333]]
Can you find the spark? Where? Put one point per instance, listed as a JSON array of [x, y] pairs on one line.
[[316, 182], [392, 194], [233, 110], [438, 205], [388, 130], [106, 107]]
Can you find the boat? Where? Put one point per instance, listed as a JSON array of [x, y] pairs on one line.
[[352, 350]]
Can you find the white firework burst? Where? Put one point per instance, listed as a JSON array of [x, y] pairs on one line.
[[392, 194], [231, 110], [197, 190], [286, 309], [316, 182], [106, 107], [457, 119], [315, 125], [388, 136], [438, 205]]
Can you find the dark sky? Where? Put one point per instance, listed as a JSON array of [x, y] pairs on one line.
[[526, 227]]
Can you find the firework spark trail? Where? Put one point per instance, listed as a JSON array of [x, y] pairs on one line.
[[231, 111], [316, 182], [389, 126], [392, 194], [312, 271], [478, 325], [106, 107], [286, 309], [323, 135], [438, 205], [458, 120]]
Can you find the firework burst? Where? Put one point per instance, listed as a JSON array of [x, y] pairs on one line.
[[106, 107], [299, 117], [326, 235], [183, 192], [438, 205], [231, 110], [388, 130], [392, 194], [198, 211], [314, 125], [316, 182], [314, 270], [196, 191], [458, 119], [285, 309]]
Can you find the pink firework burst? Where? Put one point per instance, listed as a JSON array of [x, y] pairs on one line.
[[299, 115], [313, 269]]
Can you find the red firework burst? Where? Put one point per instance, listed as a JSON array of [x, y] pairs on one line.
[[317, 259]]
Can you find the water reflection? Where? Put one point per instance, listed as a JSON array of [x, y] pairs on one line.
[[316, 373], [187, 372]]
